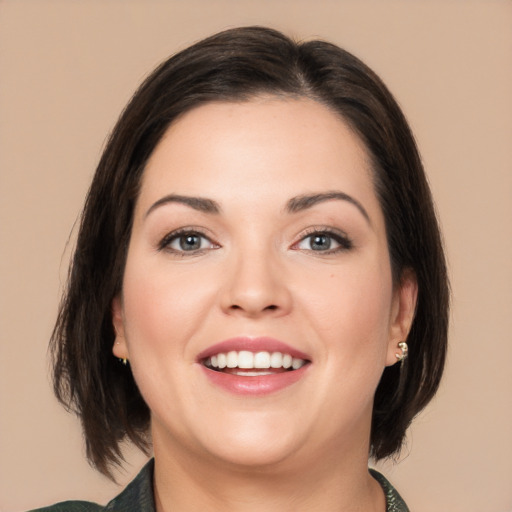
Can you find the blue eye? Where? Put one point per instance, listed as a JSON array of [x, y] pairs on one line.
[[324, 241], [320, 242], [187, 241]]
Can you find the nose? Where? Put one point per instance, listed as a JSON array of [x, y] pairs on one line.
[[256, 285]]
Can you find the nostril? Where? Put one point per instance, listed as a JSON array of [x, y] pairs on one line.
[[271, 307]]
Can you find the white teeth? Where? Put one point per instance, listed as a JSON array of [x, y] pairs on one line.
[[232, 359], [276, 360], [262, 360], [246, 373], [247, 360], [221, 361], [297, 363]]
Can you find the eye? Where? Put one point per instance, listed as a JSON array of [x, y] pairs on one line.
[[326, 242], [187, 241]]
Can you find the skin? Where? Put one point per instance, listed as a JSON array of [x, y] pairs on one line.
[[306, 446]]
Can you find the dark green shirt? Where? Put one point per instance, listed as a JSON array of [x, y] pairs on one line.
[[138, 497]]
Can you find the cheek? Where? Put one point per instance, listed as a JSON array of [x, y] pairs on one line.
[[162, 313], [162, 309], [350, 307]]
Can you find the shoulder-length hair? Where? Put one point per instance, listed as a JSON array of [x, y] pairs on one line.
[[236, 65]]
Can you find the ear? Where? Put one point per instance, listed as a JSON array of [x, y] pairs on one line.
[[120, 349], [403, 309]]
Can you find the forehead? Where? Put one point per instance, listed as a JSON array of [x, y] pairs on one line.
[[266, 147]]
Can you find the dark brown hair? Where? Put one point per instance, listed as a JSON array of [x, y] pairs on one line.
[[236, 65]]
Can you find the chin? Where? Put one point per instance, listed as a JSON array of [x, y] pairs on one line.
[[250, 456], [255, 442]]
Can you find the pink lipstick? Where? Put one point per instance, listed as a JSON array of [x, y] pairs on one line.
[[253, 366]]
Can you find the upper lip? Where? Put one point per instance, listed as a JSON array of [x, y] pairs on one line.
[[252, 344]]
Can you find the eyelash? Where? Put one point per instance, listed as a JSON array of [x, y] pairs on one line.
[[165, 243], [343, 241], [341, 238]]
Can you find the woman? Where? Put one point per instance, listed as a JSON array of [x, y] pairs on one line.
[[258, 288]]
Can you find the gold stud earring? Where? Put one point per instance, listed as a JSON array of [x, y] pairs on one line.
[[405, 350]]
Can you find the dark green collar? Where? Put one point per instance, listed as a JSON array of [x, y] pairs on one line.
[[138, 496], [394, 501]]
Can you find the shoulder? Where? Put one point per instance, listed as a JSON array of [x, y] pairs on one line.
[[137, 497], [71, 506], [394, 501]]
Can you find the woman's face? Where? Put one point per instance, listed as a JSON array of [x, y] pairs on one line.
[[258, 243]]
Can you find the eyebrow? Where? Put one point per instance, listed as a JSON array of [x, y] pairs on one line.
[[303, 202], [294, 205], [197, 203]]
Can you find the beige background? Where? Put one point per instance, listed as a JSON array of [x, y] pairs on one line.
[[68, 67]]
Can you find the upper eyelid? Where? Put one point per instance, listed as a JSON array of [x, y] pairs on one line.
[[171, 235], [344, 239], [328, 230], [201, 231]]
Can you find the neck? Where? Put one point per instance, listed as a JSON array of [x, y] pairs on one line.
[[331, 483]]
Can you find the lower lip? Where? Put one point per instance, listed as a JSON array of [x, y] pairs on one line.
[[257, 385]]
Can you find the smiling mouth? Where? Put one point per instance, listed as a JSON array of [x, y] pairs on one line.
[[253, 364]]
